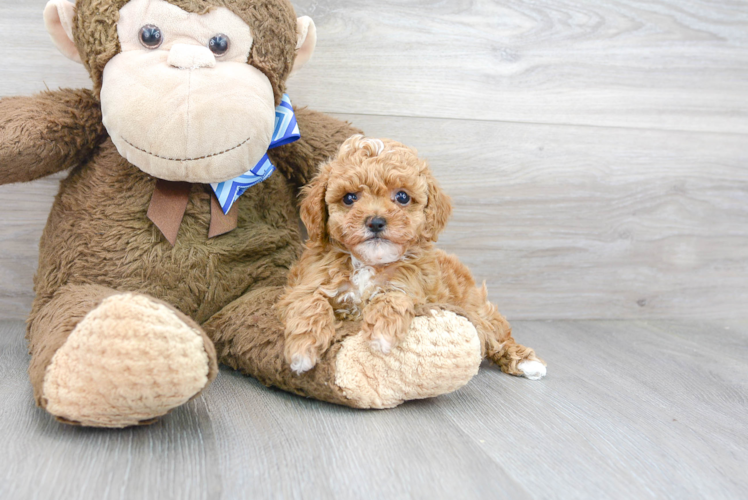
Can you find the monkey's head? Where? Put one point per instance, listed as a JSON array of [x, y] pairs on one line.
[[188, 88]]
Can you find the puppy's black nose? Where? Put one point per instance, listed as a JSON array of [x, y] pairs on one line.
[[376, 224]]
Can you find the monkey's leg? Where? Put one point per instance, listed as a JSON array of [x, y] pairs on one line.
[[103, 358], [439, 354]]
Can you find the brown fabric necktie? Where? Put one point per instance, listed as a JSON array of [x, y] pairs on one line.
[[169, 203], [221, 223]]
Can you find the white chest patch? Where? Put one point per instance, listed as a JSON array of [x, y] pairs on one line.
[[362, 287]]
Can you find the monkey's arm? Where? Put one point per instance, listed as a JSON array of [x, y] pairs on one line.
[[321, 136], [46, 133]]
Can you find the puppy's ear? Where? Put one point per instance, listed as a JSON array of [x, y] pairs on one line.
[[313, 207], [438, 209]]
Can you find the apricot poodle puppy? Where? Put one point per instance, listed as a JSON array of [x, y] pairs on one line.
[[373, 215]]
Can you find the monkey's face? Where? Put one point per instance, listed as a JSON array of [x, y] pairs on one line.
[[186, 96], [180, 101]]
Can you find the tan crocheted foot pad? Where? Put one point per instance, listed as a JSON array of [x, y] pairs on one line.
[[128, 361], [440, 354]]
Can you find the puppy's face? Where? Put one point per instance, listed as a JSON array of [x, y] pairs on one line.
[[380, 200], [376, 210]]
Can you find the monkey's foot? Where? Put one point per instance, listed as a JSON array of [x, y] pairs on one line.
[[440, 354], [130, 360]]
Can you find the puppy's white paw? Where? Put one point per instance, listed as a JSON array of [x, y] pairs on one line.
[[381, 344], [534, 370], [301, 364]]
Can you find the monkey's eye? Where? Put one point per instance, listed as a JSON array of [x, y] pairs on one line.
[[150, 36], [349, 199], [402, 198], [219, 44]]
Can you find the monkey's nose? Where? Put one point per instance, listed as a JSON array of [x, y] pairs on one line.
[[184, 56], [376, 224]]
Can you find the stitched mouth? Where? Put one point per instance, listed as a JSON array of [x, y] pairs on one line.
[[189, 159]]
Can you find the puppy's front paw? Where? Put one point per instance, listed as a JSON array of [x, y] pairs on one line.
[[300, 355], [301, 363], [533, 370], [381, 344]]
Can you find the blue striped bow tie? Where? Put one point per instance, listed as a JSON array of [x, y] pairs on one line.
[[286, 131]]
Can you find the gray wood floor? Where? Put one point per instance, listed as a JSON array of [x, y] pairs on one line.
[[630, 409]]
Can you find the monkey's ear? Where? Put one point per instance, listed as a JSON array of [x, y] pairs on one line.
[[313, 206], [58, 19], [307, 40]]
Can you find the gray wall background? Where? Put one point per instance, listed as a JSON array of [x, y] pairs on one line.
[[596, 151]]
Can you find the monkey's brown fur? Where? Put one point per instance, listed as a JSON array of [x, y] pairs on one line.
[[99, 243], [326, 284], [98, 233]]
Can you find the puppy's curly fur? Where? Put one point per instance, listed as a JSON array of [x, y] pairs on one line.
[[373, 214]]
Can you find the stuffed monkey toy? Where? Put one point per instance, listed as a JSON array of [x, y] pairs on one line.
[[170, 239]]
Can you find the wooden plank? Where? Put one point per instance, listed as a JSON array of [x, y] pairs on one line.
[[273, 444], [30, 61], [662, 64], [630, 409], [23, 213], [174, 458]]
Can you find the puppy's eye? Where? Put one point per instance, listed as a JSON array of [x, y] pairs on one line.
[[349, 199], [151, 36], [402, 198]]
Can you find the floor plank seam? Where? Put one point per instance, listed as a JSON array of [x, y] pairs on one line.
[[540, 124]]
